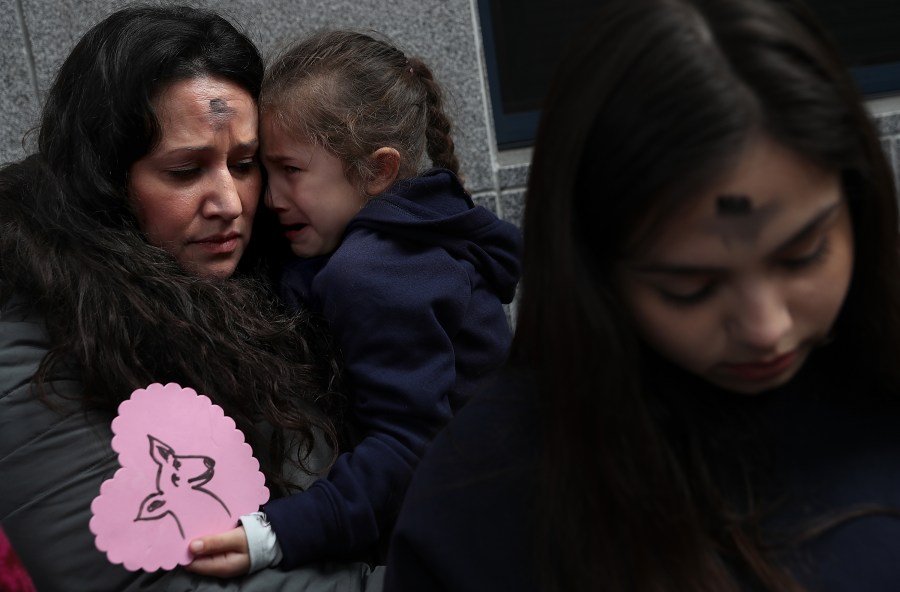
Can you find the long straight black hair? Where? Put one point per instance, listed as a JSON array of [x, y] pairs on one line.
[[651, 104], [121, 312]]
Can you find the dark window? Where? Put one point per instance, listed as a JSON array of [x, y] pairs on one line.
[[523, 40]]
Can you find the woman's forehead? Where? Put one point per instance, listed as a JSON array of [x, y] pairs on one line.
[[736, 218], [769, 191]]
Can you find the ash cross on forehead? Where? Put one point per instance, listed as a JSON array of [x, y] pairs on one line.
[[738, 219], [733, 205], [219, 112]]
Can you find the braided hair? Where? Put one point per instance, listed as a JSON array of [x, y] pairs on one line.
[[352, 93]]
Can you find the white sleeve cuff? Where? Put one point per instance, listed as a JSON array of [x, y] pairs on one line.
[[261, 541]]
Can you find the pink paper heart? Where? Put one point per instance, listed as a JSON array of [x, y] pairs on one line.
[[186, 472]]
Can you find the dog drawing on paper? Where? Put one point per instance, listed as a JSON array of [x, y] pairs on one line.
[[179, 485]]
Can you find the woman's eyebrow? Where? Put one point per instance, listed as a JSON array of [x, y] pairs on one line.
[[813, 225], [248, 145], [675, 269]]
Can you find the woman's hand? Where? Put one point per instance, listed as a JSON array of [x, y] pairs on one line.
[[223, 555]]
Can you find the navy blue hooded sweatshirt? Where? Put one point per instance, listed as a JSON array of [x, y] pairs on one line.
[[468, 518], [414, 297]]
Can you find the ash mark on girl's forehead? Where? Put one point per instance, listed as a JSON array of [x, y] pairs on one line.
[[738, 220]]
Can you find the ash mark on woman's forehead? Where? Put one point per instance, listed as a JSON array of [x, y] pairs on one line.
[[738, 220], [733, 205], [219, 107], [219, 111]]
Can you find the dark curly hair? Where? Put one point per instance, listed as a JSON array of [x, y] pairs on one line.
[[124, 312]]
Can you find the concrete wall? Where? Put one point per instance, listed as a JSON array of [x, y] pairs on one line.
[[35, 35]]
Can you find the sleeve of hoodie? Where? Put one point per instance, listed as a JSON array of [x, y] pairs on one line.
[[393, 308]]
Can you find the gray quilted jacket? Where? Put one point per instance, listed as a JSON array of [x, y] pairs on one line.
[[52, 462]]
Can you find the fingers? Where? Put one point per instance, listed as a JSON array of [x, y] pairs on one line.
[[221, 555], [230, 541], [222, 566]]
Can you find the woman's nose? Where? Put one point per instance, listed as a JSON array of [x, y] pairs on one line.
[[761, 318], [224, 199]]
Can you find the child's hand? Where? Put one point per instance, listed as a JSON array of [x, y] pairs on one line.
[[223, 555]]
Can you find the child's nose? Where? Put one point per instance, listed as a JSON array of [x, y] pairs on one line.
[[273, 199]]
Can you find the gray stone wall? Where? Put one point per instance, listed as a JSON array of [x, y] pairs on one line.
[[35, 35], [888, 119]]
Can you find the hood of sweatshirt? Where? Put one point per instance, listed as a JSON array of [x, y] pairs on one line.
[[435, 209]]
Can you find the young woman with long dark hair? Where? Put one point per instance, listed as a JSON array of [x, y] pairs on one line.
[[702, 392]]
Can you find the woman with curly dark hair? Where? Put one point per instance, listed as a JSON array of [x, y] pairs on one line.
[[126, 259]]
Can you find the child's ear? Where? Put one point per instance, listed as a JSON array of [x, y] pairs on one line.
[[387, 167]]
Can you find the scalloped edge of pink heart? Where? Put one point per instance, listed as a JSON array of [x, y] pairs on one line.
[[146, 514]]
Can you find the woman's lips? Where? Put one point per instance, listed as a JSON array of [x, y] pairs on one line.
[[761, 371], [219, 244]]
